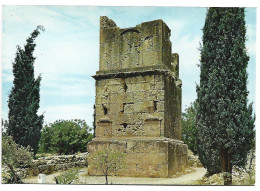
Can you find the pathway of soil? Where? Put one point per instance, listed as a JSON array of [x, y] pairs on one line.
[[186, 179]]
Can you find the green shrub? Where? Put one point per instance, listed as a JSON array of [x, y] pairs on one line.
[[65, 137], [189, 131], [67, 177], [14, 156]]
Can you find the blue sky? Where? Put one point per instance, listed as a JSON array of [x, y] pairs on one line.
[[68, 51]]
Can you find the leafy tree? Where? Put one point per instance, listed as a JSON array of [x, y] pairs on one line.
[[4, 125], [14, 156], [46, 138], [224, 120], [107, 162], [24, 123], [189, 131], [66, 136]]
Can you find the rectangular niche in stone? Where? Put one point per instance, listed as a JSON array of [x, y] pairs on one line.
[[138, 99]]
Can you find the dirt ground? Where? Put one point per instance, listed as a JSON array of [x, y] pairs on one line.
[[185, 179]]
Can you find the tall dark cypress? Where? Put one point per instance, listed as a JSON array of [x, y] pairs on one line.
[[24, 122], [224, 118]]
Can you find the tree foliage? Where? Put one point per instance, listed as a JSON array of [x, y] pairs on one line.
[[24, 123], [65, 137], [14, 156], [224, 118], [189, 130], [108, 162]]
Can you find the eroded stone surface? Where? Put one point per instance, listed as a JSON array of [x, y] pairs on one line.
[[138, 99], [48, 165], [145, 157]]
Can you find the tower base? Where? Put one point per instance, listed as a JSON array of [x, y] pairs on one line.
[[146, 157]]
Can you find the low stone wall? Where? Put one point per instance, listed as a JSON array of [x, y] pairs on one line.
[[48, 165]]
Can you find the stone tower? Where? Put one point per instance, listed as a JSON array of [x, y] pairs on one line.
[[138, 99]]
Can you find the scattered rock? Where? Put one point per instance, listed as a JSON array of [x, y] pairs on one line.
[[239, 177], [48, 165], [193, 160]]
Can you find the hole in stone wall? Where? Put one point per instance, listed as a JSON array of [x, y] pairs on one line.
[[124, 125], [125, 86], [105, 109], [148, 37], [123, 107], [155, 105]]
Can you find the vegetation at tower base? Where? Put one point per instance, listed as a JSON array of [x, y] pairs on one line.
[[24, 123], [67, 177], [65, 137], [108, 162], [224, 119], [189, 130]]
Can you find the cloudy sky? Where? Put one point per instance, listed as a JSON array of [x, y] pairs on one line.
[[68, 51]]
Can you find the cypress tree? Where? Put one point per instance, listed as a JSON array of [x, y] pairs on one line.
[[224, 119], [24, 123]]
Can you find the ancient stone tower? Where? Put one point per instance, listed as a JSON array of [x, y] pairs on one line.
[[138, 99]]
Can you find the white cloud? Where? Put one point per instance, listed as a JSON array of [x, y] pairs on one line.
[[187, 48], [60, 48], [68, 87], [251, 31], [35, 15], [87, 14], [70, 57], [9, 44], [4, 114], [67, 112], [176, 27], [6, 77], [251, 39]]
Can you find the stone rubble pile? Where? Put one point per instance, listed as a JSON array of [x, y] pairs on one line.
[[240, 176], [48, 165], [193, 160]]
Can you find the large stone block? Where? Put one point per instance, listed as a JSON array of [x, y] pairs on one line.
[[143, 45], [144, 158]]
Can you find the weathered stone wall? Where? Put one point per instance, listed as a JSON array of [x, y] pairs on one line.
[[48, 165], [138, 99], [172, 112], [147, 105], [141, 99], [146, 44], [145, 158], [130, 107]]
